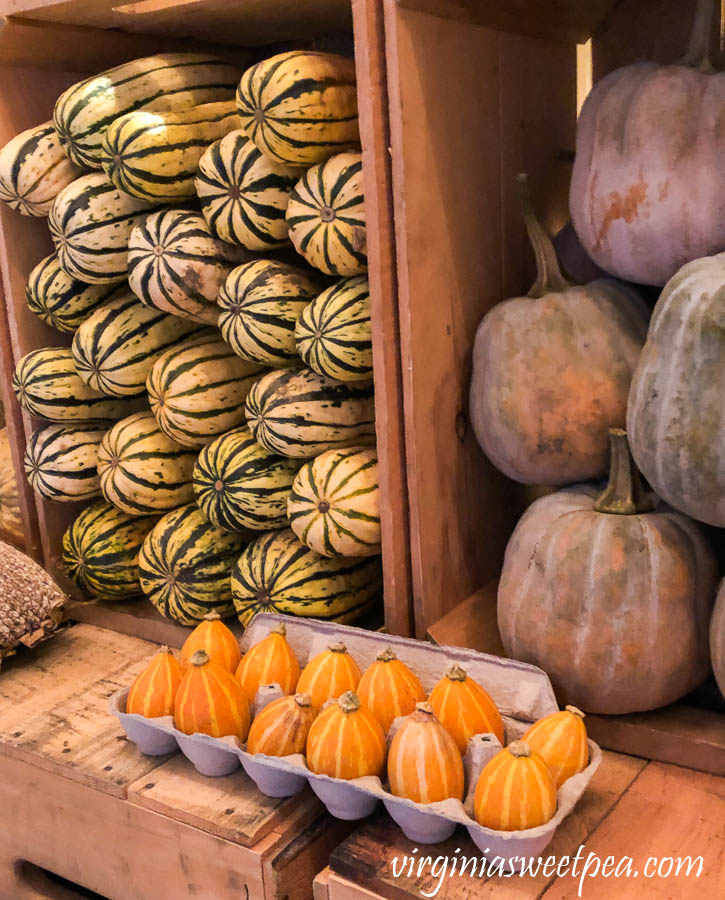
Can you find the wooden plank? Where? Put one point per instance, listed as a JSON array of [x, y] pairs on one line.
[[320, 886], [341, 889], [471, 624], [136, 618]]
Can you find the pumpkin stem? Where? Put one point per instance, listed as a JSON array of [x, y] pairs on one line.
[[349, 702], [165, 649], [386, 655], [280, 629], [624, 494], [337, 648], [574, 711], [212, 617], [303, 700], [549, 279], [456, 673], [698, 50], [199, 658], [424, 707], [519, 749]]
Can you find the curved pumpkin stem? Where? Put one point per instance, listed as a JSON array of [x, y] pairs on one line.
[[624, 494], [698, 50], [574, 711], [456, 673], [349, 702], [387, 655], [519, 749], [549, 279]]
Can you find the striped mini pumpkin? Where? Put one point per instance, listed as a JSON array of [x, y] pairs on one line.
[[33, 170], [141, 470], [261, 302], [198, 390], [297, 412], [61, 462], [114, 349], [389, 689], [346, 741], [300, 107], [153, 692], [238, 484], [155, 155], [278, 574], [90, 223], [244, 194], [185, 564], [333, 333], [178, 266], [561, 740], [329, 674], [326, 216]]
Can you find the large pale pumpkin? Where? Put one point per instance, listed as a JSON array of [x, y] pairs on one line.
[[210, 701], [346, 741], [329, 674], [269, 661], [515, 790], [153, 691], [282, 727], [717, 639], [561, 740], [610, 597], [551, 372], [215, 638], [465, 708], [389, 689]]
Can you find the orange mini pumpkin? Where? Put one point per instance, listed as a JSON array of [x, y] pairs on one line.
[[281, 728], [153, 692], [464, 707], [561, 739], [210, 701], [270, 661], [346, 741], [213, 636], [329, 674], [424, 763], [515, 790], [389, 689]]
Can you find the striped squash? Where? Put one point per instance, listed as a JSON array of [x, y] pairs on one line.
[[33, 170], [185, 564], [61, 462], [101, 551], [11, 522], [465, 708], [238, 484], [90, 223], [561, 741], [333, 333], [178, 266], [329, 674], [326, 216], [116, 346], [244, 194], [281, 728], [300, 107], [61, 301], [297, 412], [155, 155], [209, 701], [141, 471], [47, 386], [346, 741], [334, 504], [278, 574], [198, 390], [85, 110], [389, 689], [153, 691], [261, 302]]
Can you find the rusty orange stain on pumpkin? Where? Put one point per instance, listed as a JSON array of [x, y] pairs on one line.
[[622, 207]]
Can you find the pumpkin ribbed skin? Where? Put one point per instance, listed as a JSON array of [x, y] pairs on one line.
[[166, 81], [277, 573], [184, 566], [389, 689], [34, 170], [213, 637], [269, 661], [61, 462], [11, 523], [209, 701], [282, 727], [141, 470], [515, 792], [465, 708], [153, 692], [300, 107], [239, 485], [346, 741], [561, 741], [101, 551], [326, 216], [717, 640], [333, 333], [298, 413], [334, 504], [329, 675], [261, 302]]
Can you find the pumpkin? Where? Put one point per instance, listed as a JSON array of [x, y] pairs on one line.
[[329, 674], [611, 597], [282, 727], [11, 522], [270, 661], [210, 701], [515, 790], [153, 692], [465, 708], [389, 689], [561, 741], [346, 741], [213, 636], [717, 639], [424, 764], [551, 372]]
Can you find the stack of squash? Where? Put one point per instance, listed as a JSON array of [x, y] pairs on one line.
[[215, 405]]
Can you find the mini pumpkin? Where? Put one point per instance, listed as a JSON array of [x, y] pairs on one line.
[[269, 661], [153, 691], [329, 674], [561, 741], [211, 701], [465, 708], [213, 636], [389, 689], [346, 741], [282, 727]]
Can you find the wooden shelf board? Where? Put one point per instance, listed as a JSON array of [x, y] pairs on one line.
[[136, 618]]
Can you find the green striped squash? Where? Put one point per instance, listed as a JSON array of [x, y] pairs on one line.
[[166, 81], [298, 413], [155, 155], [326, 216], [177, 265], [261, 302], [244, 194], [47, 386], [61, 462], [141, 470], [333, 333], [101, 551], [279, 574], [300, 107], [185, 565], [334, 504], [90, 223], [198, 390], [34, 170], [114, 349], [239, 485]]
